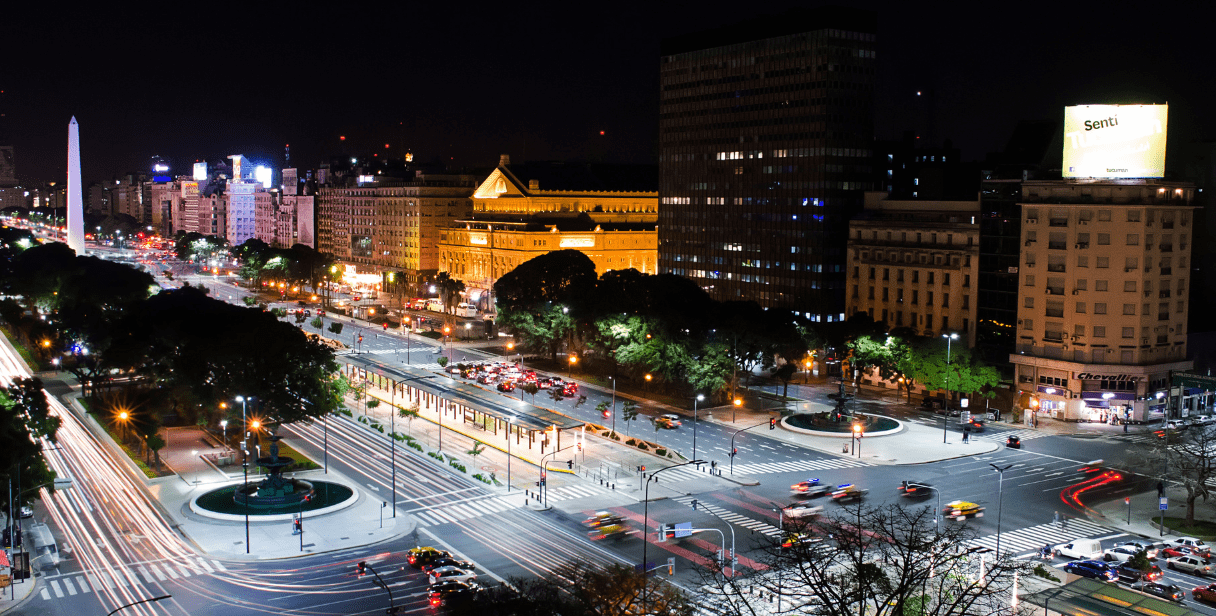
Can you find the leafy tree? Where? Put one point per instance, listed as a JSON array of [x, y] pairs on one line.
[[539, 299], [317, 323], [477, 450], [155, 442], [336, 328], [713, 371], [582, 589], [531, 389], [544, 327], [409, 414], [882, 561], [449, 290], [1187, 458], [629, 413], [784, 373], [603, 407], [927, 364], [556, 394], [442, 361]]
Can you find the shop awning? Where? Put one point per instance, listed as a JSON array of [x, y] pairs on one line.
[[1116, 397]]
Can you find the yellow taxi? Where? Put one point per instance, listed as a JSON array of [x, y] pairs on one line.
[[961, 510]]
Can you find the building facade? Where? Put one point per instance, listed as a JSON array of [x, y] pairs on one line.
[[915, 264], [385, 225], [1103, 296], [765, 135], [607, 212]]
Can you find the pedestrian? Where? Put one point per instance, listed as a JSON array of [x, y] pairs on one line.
[[1125, 427], [1056, 517]]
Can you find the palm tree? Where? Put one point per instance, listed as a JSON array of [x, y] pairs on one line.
[[449, 288], [409, 415]]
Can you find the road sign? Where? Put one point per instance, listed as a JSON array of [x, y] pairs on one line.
[[684, 529], [1165, 503]]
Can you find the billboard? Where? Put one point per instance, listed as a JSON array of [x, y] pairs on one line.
[[1114, 141]]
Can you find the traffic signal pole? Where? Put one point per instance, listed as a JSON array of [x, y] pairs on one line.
[[733, 451]]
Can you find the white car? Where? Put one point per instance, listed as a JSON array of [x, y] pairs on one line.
[[443, 574], [1121, 553], [1150, 549], [1190, 542], [1190, 564], [802, 510]]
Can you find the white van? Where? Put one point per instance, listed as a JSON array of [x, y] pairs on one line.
[[44, 545], [1080, 549], [434, 305], [466, 310]]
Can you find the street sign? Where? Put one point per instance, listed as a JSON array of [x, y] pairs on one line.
[[1165, 503], [683, 529], [963, 402]]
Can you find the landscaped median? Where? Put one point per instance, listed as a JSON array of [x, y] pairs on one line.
[[637, 443]]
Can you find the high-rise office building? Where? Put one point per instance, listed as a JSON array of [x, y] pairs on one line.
[[765, 135]]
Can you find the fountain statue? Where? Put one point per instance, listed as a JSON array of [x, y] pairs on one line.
[[274, 490]]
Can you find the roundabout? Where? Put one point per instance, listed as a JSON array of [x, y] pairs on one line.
[[821, 424]]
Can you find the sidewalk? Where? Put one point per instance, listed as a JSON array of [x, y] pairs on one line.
[[16, 594], [1145, 512]]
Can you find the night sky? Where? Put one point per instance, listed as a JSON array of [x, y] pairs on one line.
[[463, 82]]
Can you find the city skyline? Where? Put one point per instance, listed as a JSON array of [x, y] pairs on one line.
[[535, 84]]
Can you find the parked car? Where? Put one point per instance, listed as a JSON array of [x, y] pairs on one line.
[[1130, 574], [1169, 592], [1204, 593], [506, 386], [811, 488], [1193, 565], [1178, 551], [447, 562], [1093, 569]]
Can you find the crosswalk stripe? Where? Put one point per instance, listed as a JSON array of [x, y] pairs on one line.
[[95, 582], [67, 583], [184, 570], [734, 518], [1034, 537], [205, 566], [219, 565], [147, 577], [46, 596], [173, 574], [156, 570], [84, 584], [57, 589]]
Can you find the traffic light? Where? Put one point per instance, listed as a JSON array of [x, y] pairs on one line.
[[385, 325], [694, 503], [580, 446], [361, 568], [772, 423], [734, 452], [360, 338], [570, 464], [297, 525], [662, 533]]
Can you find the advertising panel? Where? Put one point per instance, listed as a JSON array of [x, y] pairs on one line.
[[1115, 141]]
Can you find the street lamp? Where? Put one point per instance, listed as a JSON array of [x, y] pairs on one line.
[[858, 431], [613, 378], [738, 403], [510, 427], [699, 398], [224, 427], [408, 327], [447, 333], [999, 501], [646, 518], [467, 328], [573, 360], [946, 416]]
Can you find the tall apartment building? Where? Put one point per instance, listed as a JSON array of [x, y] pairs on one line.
[[379, 225], [607, 212], [765, 135], [915, 264], [1103, 295]]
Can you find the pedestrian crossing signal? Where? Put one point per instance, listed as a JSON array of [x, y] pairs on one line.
[[772, 424], [361, 568], [570, 464]]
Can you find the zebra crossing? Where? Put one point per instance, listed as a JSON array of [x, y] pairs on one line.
[[87, 582], [733, 518], [1024, 434], [456, 512], [1032, 538], [766, 468]]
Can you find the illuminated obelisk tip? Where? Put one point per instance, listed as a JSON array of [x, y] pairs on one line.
[[75, 199]]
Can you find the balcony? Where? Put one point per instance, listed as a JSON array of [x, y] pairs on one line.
[[1053, 336], [1167, 271], [1055, 290], [1055, 267], [1055, 312], [1057, 245], [1167, 225], [1166, 248], [1164, 294], [1057, 222], [1163, 316]]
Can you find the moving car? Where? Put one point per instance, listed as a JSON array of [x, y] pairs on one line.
[[1191, 542], [1169, 592], [1080, 548], [1013, 442], [446, 593], [791, 539], [420, 556], [977, 425], [569, 389], [961, 510], [1128, 573], [669, 422], [811, 488], [801, 510], [602, 518], [447, 562], [617, 530], [1176, 551], [848, 492], [915, 489], [1094, 569], [506, 386], [1150, 549], [1193, 565], [1204, 593], [1122, 553], [444, 574]]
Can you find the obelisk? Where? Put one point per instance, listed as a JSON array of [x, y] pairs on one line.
[[75, 198]]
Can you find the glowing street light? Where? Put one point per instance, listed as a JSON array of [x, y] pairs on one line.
[[738, 403]]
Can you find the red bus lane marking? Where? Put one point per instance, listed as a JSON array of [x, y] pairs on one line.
[[743, 560], [674, 549], [765, 511]]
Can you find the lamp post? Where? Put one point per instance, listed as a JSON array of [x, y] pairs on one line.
[[245, 494], [946, 415], [858, 431], [646, 518], [738, 403], [699, 398], [447, 333], [573, 360], [510, 427], [224, 427], [614, 409], [244, 423], [1000, 498], [408, 327]]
